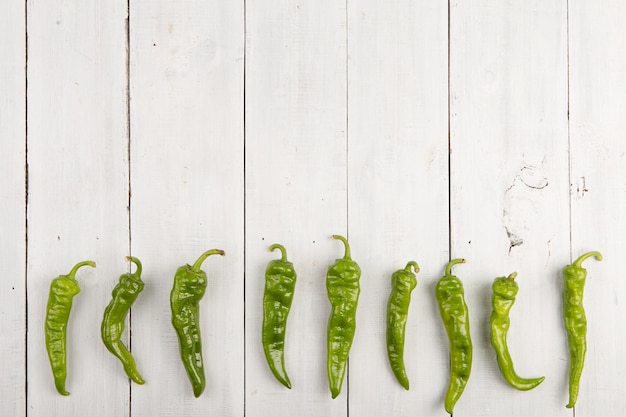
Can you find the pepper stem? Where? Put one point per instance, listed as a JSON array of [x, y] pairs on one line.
[[347, 255], [72, 274], [196, 266], [512, 276], [137, 263], [413, 264], [451, 264], [283, 251], [578, 262]]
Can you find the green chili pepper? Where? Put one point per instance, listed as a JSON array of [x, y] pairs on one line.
[[504, 292], [190, 284], [455, 317], [280, 283], [342, 284], [575, 321], [62, 292], [403, 282], [123, 296]]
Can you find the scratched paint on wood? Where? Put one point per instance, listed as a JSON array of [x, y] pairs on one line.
[[488, 131]]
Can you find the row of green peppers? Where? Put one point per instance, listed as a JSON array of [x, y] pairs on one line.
[[190, 283], [342, 283]]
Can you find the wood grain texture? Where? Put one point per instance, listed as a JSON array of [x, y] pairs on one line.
[[78, 188], [509, 191], [12, 221], [420, 131], [598, 193], [186, 80], [295, 190], [398, 195]]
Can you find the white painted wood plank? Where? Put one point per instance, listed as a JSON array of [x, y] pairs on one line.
[[598, 193], [187, 195], [78, 191], [509, 202], [398, 195], [12, 194], [295, 190]]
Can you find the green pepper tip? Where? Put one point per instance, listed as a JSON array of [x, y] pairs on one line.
[[578, 262], [283, 251], [196, 266], [512, 276], [72, 273], [137, 263], [453, 262], [198, 390], [413, 264], [347, 254]]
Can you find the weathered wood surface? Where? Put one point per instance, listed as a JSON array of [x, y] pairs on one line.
[[490, 131]]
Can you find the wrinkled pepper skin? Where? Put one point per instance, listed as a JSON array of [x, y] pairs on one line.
[[62, 292], [403, 282], [190, 283], [280, 283], [123, 296], [574, 276], [505, 290], [342, 285], [454, 314]]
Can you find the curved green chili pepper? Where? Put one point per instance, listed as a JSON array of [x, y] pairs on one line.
[[342, 285], [62, 292], [123, 296], [455, 317], [403, 282], [575, 321], [504, 292], [190, 284], [280, 282]]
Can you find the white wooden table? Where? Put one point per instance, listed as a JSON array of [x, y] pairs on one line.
[[490, 130]]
